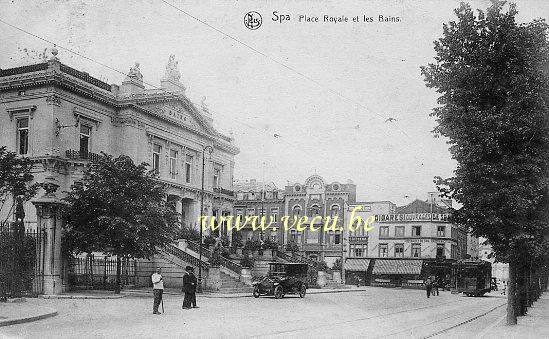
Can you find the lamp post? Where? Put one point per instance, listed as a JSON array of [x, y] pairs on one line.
[[210, 151]]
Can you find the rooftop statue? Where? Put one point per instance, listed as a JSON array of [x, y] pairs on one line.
[[135, 72], [172, 73]]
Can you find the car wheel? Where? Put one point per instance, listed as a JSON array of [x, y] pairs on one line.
[[302, 291], [256, 292], [279, 292]]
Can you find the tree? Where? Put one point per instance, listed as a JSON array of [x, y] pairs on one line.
[[492, 74], [118, 209], [15, 179]]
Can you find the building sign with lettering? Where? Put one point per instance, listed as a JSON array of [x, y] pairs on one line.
[[411, 217]]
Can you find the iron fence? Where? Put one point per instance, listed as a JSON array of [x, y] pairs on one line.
[[21, 260], [91, 273]]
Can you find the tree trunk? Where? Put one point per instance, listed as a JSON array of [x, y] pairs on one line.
[[511, 297], [118, 272]]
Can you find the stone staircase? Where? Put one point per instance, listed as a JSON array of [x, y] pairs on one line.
[[230, 278], [232, 285]]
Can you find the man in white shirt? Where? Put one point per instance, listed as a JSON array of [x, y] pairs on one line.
[[158, 289]]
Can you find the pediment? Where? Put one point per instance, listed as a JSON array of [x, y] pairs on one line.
[[179, 114]]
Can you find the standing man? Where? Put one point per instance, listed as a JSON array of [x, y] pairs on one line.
[[193, 281], [158, 289], [428, 286], [186, 288], [435, 286]]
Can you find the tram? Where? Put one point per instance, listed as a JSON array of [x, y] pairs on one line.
[[472, 277]]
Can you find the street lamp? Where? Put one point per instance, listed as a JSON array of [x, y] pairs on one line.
[[210, 151]]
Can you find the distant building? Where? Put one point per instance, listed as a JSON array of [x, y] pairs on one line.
[[62, 118], [401, 239], [262, 200]]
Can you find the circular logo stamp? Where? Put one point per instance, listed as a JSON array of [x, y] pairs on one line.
[[253, 20]]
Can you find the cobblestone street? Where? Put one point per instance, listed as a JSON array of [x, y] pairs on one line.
[[375, 312]]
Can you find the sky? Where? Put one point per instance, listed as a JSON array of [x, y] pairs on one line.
[[326, 89]]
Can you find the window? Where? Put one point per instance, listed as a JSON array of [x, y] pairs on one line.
[[173, 163], [85, 136], [399, 231], [358, 250], [296, 211], [239, 212], [441, 231], [23, 136], [293, 235], [453, 251], [416, 231], [399, 250], [250, 211], [384, 231], [416, 250], [315, 210], [274, 214], [440, 250], [337, 239], [157, 149], [188, 168], [383, 250], [334, 211], [217, 173]]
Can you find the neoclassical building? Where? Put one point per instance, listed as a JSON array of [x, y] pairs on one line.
[[62, 118]]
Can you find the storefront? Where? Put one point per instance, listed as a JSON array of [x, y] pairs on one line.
[[357, 271], [397, 273]]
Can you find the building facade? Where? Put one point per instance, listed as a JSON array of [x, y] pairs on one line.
[[401, 240], [62, 118], [262, 200]]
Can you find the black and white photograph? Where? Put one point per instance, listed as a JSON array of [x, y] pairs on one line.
[[274, 169]]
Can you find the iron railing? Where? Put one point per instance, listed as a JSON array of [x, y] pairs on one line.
[[296, 258], [224, 191], [72, 154], [21, 261], [231, 265], [179, 253], [100, 273]]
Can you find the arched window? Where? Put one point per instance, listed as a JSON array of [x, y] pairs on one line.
[[315, 210], [296, 211], [334, 210]]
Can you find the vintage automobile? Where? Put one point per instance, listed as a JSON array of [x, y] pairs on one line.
[[283, 278]]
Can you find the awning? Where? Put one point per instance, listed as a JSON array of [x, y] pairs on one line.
[[398, 266], [352, 264]]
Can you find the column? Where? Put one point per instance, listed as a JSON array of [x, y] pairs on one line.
[[50, 221]]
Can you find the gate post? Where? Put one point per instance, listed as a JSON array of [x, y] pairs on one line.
[[50, 221]]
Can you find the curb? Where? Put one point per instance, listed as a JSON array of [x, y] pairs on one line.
[[65, 296], [232, 296], [8, 322]]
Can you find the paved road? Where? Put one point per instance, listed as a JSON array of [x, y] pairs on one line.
[[376, 312]]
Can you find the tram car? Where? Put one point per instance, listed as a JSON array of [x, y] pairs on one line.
[[472, 277]]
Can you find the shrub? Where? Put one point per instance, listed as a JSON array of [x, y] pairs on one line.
[[337, 265], [252, 245], [322, 266], [269, 244], [189, 233], [247, 261], [292, 246], [209, 240]]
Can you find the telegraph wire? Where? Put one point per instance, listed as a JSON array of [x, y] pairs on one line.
[[258, 130]]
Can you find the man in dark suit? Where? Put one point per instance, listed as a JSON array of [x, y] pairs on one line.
[[189, 288]]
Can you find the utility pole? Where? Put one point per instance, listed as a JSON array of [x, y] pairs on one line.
[[210, 151]]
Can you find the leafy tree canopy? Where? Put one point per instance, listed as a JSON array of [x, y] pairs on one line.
[[119, 209], [492, 74], [15, 177]]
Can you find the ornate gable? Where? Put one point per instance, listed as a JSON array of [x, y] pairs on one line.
[[177, 113]]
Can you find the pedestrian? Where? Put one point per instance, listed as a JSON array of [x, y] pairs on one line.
[[428, 286], [435, 286], [504, 289], [189, 287], [193, 288], [158, 289]]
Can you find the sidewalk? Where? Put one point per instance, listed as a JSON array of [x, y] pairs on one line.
[[85, 294], [22, 312], [208, 294], [534, 325]]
